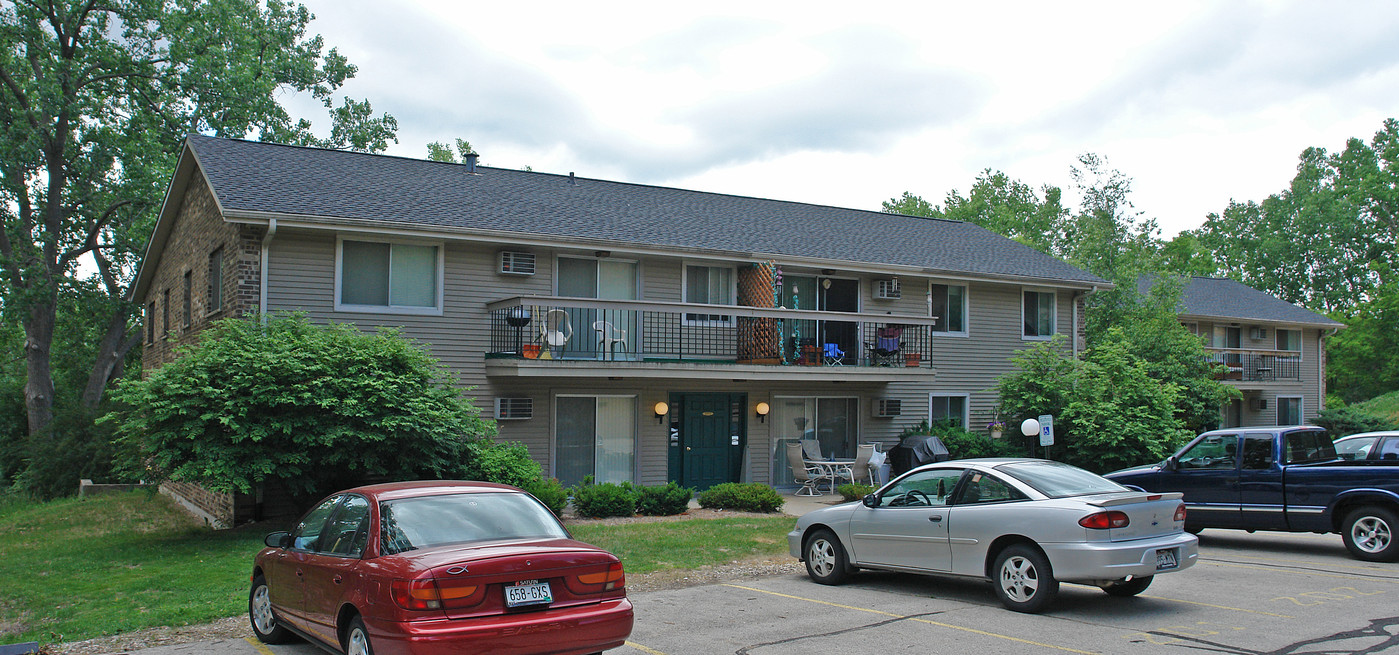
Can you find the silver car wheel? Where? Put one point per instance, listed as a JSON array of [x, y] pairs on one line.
[[821, 554], [1370, 534], [358, 642], [1019, 579], [262, 611]]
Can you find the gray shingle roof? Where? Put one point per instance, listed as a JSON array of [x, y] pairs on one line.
[[265, 177], [1224, 298]]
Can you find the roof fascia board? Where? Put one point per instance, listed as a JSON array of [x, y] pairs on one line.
[[1270, 321], [516, 238], [185, 168]]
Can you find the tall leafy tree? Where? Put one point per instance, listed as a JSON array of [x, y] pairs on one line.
[[438, 151], [95, 98], [1000, 204]]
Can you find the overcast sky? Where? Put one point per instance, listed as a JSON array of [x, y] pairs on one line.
[[850, 104]]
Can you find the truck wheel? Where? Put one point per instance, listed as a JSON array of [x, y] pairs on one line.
[[1369, 534]]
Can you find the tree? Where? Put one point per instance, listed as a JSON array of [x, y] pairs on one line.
[[314, 407], [1362, 361], [1007, 207], [95, 98], [438, 151]]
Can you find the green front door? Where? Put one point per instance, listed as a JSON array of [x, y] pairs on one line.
[[708, 453]]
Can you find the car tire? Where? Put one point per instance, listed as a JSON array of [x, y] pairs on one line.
[[357, 638], [1369, 534], [1023, 579], [1129, 588], [1194, 529], [266, 625], [825, 558]]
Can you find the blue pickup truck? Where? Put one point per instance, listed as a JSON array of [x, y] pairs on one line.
[[1279, 478]]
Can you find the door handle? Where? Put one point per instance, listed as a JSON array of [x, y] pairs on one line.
[[338, 579], [687, 448], [935, 518], [299, 573]]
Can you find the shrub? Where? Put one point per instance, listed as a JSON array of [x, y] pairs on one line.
[[962, 443], [550, 492], [599, 501], [502, 463], [665, 500], [854, 491], [745, 497], [1341, 421]]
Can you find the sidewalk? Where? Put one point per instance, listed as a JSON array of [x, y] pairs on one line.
[[799, 505]]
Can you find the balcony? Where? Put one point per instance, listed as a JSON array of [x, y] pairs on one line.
[[536, 336], [1257, 366]]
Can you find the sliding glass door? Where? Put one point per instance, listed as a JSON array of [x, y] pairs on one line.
[[595, 435]]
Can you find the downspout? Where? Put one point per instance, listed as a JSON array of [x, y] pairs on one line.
[[262, 272]]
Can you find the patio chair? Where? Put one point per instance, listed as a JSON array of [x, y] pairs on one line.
[[860, 469], [887, 344], [608, 338], [555, 332], [811, 449], [833, 355], [810, 477]]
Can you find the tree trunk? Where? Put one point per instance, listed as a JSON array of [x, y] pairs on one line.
[[38, 387], [116, 343]]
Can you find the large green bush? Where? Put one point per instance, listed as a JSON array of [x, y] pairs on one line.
[[744, 497], [1341, 421], [550, 492], [667, 500], [502, 463], [597, 501], [315, 407]]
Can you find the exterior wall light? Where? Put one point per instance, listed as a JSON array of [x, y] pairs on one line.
[[661, 410], [762, 410]]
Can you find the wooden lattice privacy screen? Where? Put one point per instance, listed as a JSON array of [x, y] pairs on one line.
[[758, 338]]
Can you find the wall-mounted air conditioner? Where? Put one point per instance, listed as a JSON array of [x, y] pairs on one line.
[[887, 407], [516, 263], [1258, 404], [514, 409], [886, 289], [1258, 333]]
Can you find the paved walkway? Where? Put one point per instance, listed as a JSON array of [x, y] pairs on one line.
[[799, 505]]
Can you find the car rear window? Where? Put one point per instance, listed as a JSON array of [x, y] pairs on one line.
[[1058, 480], [412, 523], [1309, 446]]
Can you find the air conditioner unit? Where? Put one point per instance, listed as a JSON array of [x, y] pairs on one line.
[[886, 289], [887, 407], [514, 409], [1258, 404], [516, 263], [1258, 333]]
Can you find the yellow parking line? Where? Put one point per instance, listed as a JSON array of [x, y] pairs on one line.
[[648, 651], [258, 646], [920, 620], [1218, 607]]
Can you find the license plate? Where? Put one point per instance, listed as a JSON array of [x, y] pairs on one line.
[[1166, 559], [528, 593]]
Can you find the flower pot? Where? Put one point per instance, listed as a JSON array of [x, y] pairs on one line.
[[995, 434], [531, 351], [912, 359]]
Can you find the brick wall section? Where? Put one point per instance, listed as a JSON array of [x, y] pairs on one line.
[[218, 505], [198, 231]]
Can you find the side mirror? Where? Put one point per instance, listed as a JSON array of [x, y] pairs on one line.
[[278, 540], [1170, 464], [871, 501]]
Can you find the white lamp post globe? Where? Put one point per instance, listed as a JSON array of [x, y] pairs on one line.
[[1030, 427]]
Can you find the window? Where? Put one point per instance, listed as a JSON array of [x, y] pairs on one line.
[[398, 276], [1038, 314], [950, 308], [595, 436], [215, 290], [1193, 328], [1289, 410], [348, 532], [833, 422], [1290, 340], [1212, 452], [981, 488], [949, 408], [1309, 446], [709, 285], [1227, 337], [1258, 451], [307, 534], [150, 323], [165, 315], [921, 489], [189, 298]]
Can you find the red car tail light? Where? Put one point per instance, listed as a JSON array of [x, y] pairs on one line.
[[1180, 512], [430, 594], [611, 579], [1105, 520]]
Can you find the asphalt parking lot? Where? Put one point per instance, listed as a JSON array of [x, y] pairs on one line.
[[1259, 593]]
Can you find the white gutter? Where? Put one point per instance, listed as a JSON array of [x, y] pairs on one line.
[[262, 272]]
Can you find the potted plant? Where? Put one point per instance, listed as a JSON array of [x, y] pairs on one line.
[[912, 359], [996, 427]]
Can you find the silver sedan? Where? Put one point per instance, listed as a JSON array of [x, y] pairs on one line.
[[1024, 524]]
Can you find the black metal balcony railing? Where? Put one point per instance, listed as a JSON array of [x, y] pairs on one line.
[[621, 330], [1249, 366]]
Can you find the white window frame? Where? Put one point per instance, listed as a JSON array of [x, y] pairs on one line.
[[636, 430], [966, 311], [1053, 314], [389, 309], [1277, 332], [1301, 408], [729, 320], [966, 406]]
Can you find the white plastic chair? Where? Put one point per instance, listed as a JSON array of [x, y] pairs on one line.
[[555, 331], [608, 338], [810, 477], [860, 468]]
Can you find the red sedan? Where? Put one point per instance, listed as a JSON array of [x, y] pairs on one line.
[[438, 567]]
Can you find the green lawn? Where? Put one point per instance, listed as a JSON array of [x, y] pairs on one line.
[[1386, 406], [77, 569]]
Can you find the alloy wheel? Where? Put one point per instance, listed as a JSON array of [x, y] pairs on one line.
[[262, 611], [1370, 534], [1019, 579]]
